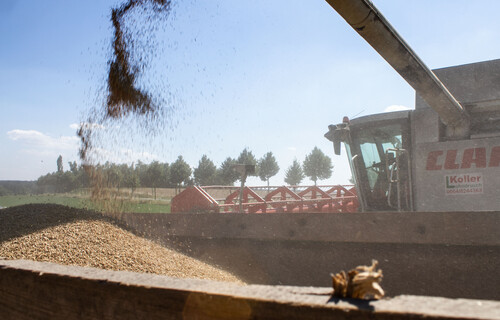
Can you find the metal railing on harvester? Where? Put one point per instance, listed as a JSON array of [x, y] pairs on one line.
[[225, 199]]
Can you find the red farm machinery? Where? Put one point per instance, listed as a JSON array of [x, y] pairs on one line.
[[226, 199]]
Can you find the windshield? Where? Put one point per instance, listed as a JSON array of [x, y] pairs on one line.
[[186, 139], [374, 145]]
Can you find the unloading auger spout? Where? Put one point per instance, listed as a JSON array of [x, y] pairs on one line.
[[369, 23]]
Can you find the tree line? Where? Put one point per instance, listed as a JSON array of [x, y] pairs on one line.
[[9, 187], [316, 166]]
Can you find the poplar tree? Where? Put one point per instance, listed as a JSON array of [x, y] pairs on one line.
[[294, 174], [268, 167], [317, 165]]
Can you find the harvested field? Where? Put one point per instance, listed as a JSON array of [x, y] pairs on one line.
[[64, 235]]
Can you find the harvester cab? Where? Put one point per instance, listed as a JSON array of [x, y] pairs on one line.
[[378, 148], [442, 156]]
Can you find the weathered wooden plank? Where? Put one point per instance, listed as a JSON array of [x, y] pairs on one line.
[[34, 290]]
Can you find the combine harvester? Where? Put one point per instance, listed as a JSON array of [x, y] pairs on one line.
[[225, 199], [442, 156]]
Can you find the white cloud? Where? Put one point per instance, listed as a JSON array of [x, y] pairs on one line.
[[293, 149], [43, 146], [38, 142], [395, 107]]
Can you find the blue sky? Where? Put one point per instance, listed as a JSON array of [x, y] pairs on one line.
[[266, 75]]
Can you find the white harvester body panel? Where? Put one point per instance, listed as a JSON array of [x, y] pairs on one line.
[[464, 174], [457, 175]]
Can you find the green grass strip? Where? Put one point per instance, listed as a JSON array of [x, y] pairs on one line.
[[84, 203]]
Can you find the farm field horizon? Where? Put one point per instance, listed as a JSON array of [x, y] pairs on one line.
[[141, 200]]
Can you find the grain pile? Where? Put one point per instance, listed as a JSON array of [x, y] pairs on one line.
[[59, 234]]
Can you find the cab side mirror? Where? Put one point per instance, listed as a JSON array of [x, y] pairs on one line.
[[337, 134], [336, 147]]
